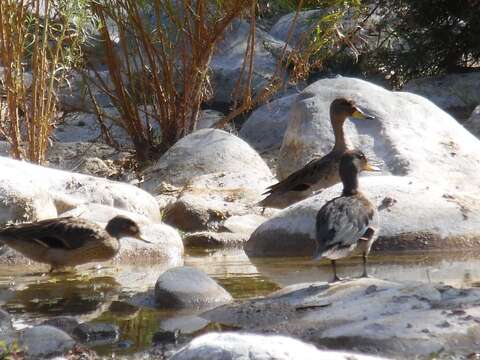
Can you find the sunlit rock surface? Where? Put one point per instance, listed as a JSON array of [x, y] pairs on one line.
[[398, 319], [427, 192], [234, 346], [62, 187]]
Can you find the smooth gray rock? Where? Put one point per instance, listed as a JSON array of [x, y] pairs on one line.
[[45, 341], [228, 60], [188, 287], [97, 333], [266, 126], [235, 346], [449, 92], [397, 319], [7, 332], [204, 152]]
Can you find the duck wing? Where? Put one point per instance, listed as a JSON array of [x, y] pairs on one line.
[[61, 233], [341, 222], [308, 175]]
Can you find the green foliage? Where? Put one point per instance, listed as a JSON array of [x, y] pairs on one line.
[[428, 37]]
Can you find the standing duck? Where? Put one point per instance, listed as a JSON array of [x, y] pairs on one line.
[[69, 241], [348, 223], [318, 173]]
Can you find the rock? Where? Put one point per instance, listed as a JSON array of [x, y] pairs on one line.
[[45, 341], [165, 337], [62, 185], [215, 239], [245, 224], [414, 215], [187, 287], [103, 213], [204, 152], [449, 92], [408, 319], [266, 126], [473, 122], [7, 332], [188, 324], [208, 118], [65, 323], [234, 346], [227, 62], [23, 199], [97, 333], [166, 244], [305, 23], [438, 169]]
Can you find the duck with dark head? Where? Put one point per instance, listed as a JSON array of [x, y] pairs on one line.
[[348, 223], [68, 241], [319, 173]]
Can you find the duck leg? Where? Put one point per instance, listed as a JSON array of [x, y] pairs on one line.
[[364, 274], [334, 268]]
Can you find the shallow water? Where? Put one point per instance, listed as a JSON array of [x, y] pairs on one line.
[[119, 294]]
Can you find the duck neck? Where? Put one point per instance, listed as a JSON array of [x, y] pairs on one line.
[[337, 125], [350, 181]]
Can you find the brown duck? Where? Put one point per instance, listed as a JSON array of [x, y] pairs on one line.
[[68, 241], [348, 223], [319, 173]]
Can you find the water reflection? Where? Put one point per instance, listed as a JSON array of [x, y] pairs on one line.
[[113, 294]]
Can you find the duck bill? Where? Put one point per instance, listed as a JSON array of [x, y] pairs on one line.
[[140, 237], [361, 115], [370, 167]]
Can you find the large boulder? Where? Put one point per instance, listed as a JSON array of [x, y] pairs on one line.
[[204, 152], [393, 319], [429, 189], [449, 92], [265, 128], [69, 190], [473, 122], [233, 346], [44, 341], [228, 60]]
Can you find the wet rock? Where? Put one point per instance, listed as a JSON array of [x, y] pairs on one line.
[[215, 239], [64, 323], [203, 152], [97, 333], [188, 324], [227, 62], [449, 92], [348, 315], [7, 332], [234, 346], [22, 176], [266, 126], [45, 341], [187, 287], [165, 337]]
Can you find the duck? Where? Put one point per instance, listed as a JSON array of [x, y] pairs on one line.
[[349, 223], [320, 173], [66, 242]]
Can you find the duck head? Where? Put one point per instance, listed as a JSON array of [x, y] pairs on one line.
[[352, 163], [342, 108], [121, 226]]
